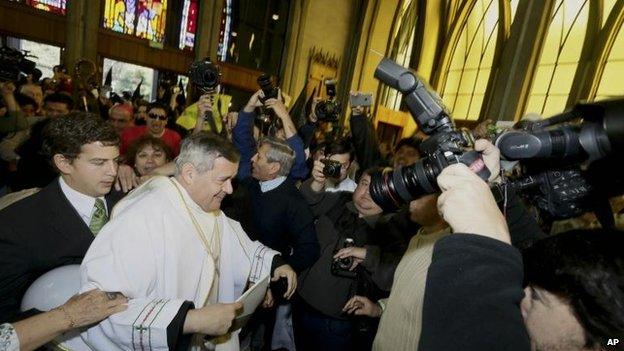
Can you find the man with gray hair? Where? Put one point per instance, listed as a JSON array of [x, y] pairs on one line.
[[280, 219], [180, 261]]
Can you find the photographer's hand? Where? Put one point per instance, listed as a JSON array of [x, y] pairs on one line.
[[254, 101], [282, 113], [358, 254], [491, 157], [7, 89], [204, 106], [318, 178], [462, 189], [362, 306]]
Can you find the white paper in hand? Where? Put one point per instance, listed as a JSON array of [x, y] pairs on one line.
[[250, 299]]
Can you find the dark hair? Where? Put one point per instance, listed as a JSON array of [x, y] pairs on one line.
[[67, 134], [413, 142], [145, 140], [140, 102], [340, 146], [585, 268], [160, 105], [23, 100], [61, 98]]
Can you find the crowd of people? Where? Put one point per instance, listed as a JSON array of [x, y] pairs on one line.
[[173, 217]]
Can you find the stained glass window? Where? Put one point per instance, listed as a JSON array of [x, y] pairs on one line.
[[559, 59], [189, 25], [471, 64], [143, 18], [53, 6]]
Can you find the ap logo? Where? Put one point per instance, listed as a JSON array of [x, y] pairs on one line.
[[613, 342]]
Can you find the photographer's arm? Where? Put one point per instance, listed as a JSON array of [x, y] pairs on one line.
[[320, 201], [474, 281]]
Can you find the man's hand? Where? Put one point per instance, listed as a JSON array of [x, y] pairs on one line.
[[126, 179], [278, 107], [213, 319], [467, 204], [254, 101], [7, 88], [358, 254], [362, 306], [312, 117], [318, 178], [286, 271], [268, 299], [491, 157]]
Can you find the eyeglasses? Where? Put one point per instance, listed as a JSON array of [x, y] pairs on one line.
[[155, 116]]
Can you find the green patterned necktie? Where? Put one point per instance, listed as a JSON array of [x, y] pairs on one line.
[[99, 217]]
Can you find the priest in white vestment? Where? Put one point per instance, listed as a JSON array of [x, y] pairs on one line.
[[177, 258]]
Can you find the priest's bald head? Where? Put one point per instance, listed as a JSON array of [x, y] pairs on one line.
[[205, 167]]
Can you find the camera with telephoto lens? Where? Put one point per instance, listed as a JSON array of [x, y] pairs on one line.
[[568, 169], [341, 266], [266, 120], [328, 110], [205, 75], [446, 145], [270, 91], [13, 64], [332, 168]]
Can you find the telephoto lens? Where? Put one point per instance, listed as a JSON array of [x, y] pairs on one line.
[[269, 90], [205, 75], [391, 189]]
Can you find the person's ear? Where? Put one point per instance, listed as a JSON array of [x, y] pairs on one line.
[[63, 164], [274, 167], [188, 173]]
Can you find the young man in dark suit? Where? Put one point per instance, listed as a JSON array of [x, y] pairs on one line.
[[55, 226]]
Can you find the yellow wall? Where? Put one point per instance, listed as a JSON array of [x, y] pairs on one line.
[[325, 25]]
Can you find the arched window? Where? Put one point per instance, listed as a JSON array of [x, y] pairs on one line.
[[610, 85], [401, 49], [559, 59], [467, 75]]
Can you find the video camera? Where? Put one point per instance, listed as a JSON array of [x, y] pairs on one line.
[[13, 64], [206, 77], [328, 110], [569, 169], [445, 146]]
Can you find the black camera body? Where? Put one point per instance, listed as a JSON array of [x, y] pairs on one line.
[[13, 63], [270, 91], [328, 110], [205, 75], [446, 145], [332, 168], [553, 152], [341, 267]]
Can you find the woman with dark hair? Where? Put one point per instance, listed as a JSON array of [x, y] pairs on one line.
[[148, 153]]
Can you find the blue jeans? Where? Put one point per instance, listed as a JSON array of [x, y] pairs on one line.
[[316, 331]]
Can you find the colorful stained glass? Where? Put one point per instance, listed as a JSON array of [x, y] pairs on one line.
[[143, 18], [189, 25], [53, 6]]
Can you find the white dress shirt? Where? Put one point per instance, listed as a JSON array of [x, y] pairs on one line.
[[271, 184], [84, 204]]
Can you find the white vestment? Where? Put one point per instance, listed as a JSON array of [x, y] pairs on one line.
[[151, 251]]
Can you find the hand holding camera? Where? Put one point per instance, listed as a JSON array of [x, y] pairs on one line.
[[254, 102], [318, 177], [356, 254]]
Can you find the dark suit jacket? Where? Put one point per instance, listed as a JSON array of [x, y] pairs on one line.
[[37, 234]]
